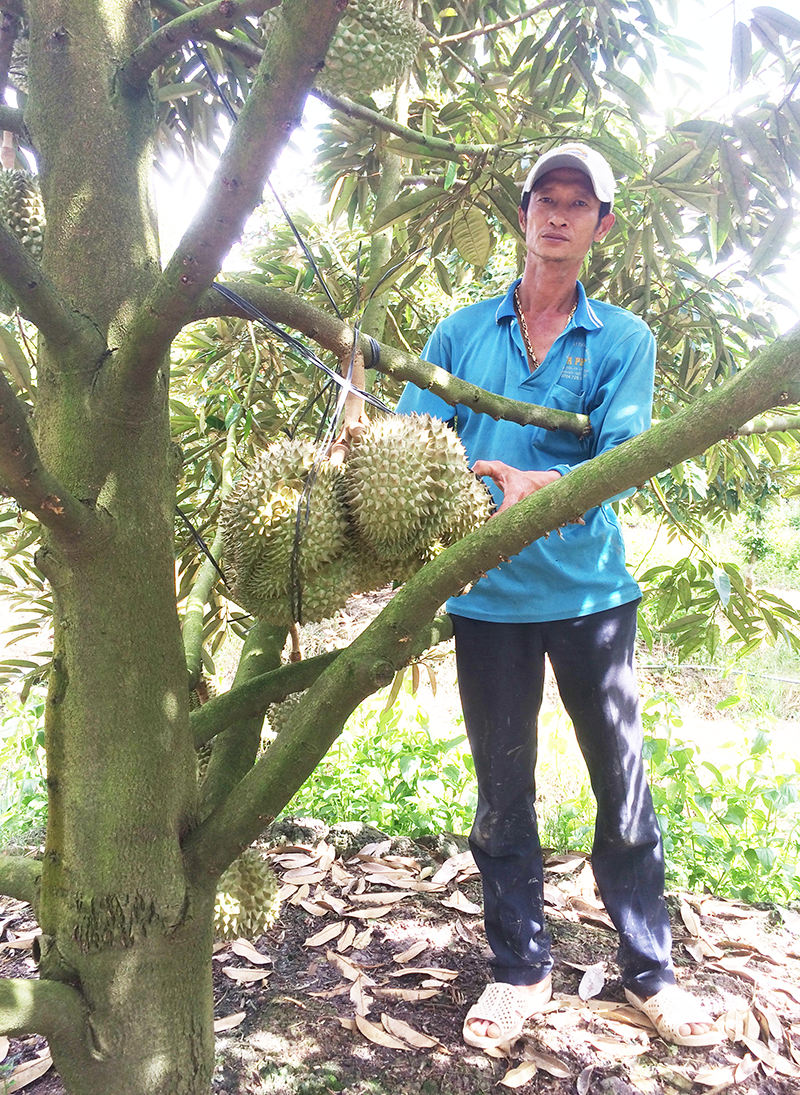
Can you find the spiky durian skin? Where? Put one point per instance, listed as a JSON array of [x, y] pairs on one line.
[[375, 44], [260, 528], [22, 209], [247, 901], [407, 484]]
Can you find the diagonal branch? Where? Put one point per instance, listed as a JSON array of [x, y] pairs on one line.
[[490, 28], [196, 24], [773, 379], [50, 1008], [294, 56], [23, 477], [245, 52], [327, 331], [20, 878], [39, 301]]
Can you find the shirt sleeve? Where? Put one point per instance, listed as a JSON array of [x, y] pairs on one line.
[[622, 403], [416, 400]]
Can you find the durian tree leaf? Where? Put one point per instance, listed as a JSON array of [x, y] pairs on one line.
[[14, 361], [741, 52], [178, 91], [781, 21], [406, 206], [765, 155], [472, 236], [772, 242]]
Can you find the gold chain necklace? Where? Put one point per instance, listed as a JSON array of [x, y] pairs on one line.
[[534, 360]]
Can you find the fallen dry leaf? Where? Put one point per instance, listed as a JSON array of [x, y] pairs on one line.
[[301, 894], [315, 909], [339, 876], [361, 941], [522, 1074], [378, 1035], [332, 931], [328, 901], [21, 941], [347, 938], [228, 1022], [291, 861], [379, 898], [347, 968], [465, 932], [461, 903], [690, 919], [369, 914], [245, 976], [26, 1073], [553, 896], [426, 971], [359, 996], [245, 949], [716, 1077], [745, 1069], [304, 876], [546, 1062], [412, 952], [590, 913], [773, 1060], [348, 1024], [694, 948], [408, 1034], [592, 981], [612, 1047], [413, 996], [452, 866], [584, 1080]]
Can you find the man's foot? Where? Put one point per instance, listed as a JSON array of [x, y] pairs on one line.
[[678, 1017], [500, 1013]]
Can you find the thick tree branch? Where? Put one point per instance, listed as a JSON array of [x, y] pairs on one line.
[[64, 329], [255, 696], [195, 25], [43, 1007], [23, 477], [294, 55], [773, 379], [245, 52], [20, 877], [12, 119], [333, 335]]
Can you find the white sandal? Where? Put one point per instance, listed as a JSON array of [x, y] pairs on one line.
[[507, 1009], [673, 1008]]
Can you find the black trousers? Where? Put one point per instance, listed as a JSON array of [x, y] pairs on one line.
[[501, 678]]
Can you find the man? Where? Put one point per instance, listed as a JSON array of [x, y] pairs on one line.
[[568, 596]]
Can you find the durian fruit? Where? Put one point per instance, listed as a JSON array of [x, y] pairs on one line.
[[246, 902], [260, 528], [278, 714], [407, 484], [22, 209], [375, 43]]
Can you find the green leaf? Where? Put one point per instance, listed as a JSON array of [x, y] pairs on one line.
[[629, 90], [722, 584], [780, 21], [14, 360], [443, 277], [404, 207], [771, 243], [472, 237], [741, 52], [765, 155]]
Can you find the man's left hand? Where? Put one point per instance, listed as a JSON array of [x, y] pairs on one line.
[[514, 484]]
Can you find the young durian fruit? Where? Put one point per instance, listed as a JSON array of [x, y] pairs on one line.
[[22, 209], [260, 525], [375, 43], [247, 901]]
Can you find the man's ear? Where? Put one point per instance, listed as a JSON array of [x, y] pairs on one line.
[[604, 227], [523, 218]]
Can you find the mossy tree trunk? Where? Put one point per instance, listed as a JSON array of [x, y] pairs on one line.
[[125, 893]]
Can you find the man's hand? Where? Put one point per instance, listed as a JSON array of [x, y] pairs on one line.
[[514, 484]]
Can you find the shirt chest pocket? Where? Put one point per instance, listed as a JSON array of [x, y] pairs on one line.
[[562, 446]]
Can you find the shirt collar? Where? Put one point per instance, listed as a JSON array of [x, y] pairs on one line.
[[585, 315]]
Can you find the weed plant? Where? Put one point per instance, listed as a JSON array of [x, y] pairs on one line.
[[23, 788], [389, 769]]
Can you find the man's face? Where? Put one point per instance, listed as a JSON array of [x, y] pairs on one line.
[[561, 222]]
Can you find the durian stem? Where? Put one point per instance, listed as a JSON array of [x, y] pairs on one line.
[[207, 575]]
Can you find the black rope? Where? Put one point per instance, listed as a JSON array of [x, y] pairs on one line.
[[198, 539]]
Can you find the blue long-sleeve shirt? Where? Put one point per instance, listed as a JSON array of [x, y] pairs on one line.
[[601, 365]]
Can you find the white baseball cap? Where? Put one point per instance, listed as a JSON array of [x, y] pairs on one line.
[[583, 158]]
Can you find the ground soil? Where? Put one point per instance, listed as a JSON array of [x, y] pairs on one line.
[[296, 1032]]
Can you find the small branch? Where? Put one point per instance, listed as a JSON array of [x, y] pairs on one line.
[[769, 424], [23, 477], [51, 1008], [11, 119], [433, 145], [20, 877], [492, 27], [255, 696], [39, 301], [771, 380], [294, 56], [195, 24], [336, 336], [9, 29]]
